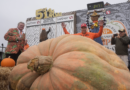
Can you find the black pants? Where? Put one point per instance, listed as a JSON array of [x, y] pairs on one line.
[[14, 56]]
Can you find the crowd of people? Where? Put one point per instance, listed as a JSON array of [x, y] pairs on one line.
[[18, 44]]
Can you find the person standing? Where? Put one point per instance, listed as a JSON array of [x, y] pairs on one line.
[[44, 33], [121, 42], [16, 40], [84, 32]]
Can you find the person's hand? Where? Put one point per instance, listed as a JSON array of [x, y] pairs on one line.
[[19, 38], [101, 23], [63, 25], [25, 43], [118, 36], [113, 36]]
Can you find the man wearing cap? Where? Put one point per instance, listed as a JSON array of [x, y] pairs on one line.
[[121, 42], [84, 31]]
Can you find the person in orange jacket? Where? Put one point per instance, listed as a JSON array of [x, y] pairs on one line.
[[26, 46], [84, 30]]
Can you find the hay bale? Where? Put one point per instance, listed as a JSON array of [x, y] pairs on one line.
[[11, 68], [4, 73], [4, 83], [4, 88]]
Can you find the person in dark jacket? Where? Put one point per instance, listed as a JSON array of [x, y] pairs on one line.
[[121, 42], [44, 33]]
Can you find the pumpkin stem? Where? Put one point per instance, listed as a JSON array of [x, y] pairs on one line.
[[40, 64], [9, 57]]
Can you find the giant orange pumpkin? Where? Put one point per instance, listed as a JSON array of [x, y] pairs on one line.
[[69, 62], [7, 62]]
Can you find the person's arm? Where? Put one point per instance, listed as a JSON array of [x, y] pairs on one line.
[[129, 41], [10, 37], [125, 40], [101, 23], [65, 31], [113, 40], [48, 30], [64, 28], [96, 35]]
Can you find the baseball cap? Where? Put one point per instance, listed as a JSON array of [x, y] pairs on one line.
[[83, 25], [121, 30]]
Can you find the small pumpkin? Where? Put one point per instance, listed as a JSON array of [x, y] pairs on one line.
[[69, 62], [7, 62]]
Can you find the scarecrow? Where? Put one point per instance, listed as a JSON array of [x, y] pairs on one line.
[[95, 26]]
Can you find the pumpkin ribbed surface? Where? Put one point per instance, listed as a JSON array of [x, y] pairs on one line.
[[69, 63]]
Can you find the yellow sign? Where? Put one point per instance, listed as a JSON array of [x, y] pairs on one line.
[[44, 13]]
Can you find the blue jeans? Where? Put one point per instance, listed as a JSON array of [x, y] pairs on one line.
[[98, 40]]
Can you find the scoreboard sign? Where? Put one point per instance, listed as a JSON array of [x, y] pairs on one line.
[[46, 13], [93, 6]]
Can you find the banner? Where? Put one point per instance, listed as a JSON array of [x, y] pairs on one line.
[[65, 18], [48, 21], [33, 22], [51, 20]]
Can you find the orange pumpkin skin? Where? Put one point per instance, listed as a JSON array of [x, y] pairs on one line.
[[79, 63], [7, 62]]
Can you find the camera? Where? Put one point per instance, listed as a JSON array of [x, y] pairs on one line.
[[115, 35]]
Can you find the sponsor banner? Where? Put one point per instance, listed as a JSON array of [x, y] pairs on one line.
[[51, 20], [34, 22], [48, 21], [65, 18]]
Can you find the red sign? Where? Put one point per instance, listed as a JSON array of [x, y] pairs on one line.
[[108, 12], [38, 22], [71, 17]]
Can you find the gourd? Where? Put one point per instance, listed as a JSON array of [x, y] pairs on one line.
[[69, 62]]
